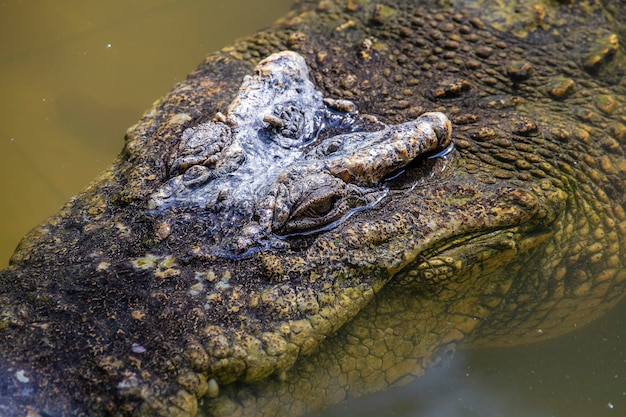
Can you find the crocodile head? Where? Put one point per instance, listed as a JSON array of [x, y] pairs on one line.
[[285, 162], [400, 182]]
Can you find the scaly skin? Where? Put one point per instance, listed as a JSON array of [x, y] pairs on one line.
[[516, 237]]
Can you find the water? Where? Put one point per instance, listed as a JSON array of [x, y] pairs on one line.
[[582, 374], [74, 75]]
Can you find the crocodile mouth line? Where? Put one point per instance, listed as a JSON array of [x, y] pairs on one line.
[[448, 251], [494, 238], [457, 241]]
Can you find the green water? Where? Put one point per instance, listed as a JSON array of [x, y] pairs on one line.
[[582, 374], [74, 75]]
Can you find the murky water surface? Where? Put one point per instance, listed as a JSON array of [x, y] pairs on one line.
[[75, 75], [582, 374]]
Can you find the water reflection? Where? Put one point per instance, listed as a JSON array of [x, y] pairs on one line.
[[578, 375]]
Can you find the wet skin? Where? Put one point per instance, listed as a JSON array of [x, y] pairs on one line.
[[357, 261]]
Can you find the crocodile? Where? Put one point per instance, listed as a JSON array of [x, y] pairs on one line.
[[331, 207]]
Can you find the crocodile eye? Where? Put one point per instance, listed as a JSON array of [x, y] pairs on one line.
[[319, 207]]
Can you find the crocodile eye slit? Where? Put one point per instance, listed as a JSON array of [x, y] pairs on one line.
[[318, 208]]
